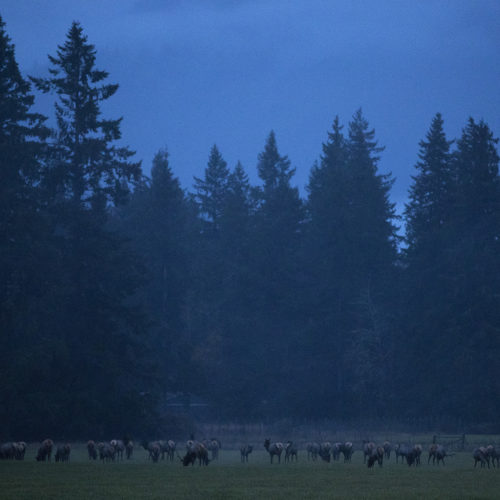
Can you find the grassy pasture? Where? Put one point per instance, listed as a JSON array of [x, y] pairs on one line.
[[228, 478]]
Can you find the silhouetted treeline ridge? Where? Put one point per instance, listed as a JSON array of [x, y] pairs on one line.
[[117, 288]]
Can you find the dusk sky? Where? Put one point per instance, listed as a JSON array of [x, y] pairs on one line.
[[194, 73]]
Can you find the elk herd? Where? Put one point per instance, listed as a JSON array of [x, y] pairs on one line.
[[203, 452]]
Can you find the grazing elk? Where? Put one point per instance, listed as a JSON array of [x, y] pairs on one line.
[[92, 450], [45, 450], [274, 449], [195, 450], [438, 454], [106, 452], [387, 449], [479, 455], [413, 455], [324, 451], [62, 453], [312, 450], [245, 450], [291, 452], [376, 455], [347, 450], [368, 448], [154, 449]]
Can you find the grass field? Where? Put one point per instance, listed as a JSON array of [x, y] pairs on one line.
[[228, 478]]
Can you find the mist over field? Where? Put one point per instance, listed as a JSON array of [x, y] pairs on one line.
[[263, 213]]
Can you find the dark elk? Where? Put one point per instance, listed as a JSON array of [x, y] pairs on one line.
[[7, 451], [347, 450], [129, 449], [494, 454], [480, 455], [324, 451], [62, 453], [119, 447], [312, 450], [336, 450], [245, 450], [106, 452], [291, 452], [368, 449], [437, 453], [274, 449], [45, 450], [376, 455], [154, 449], [213, 445], [413, 456], [387, 449], [401, 451], [195, 450], [92, 450]]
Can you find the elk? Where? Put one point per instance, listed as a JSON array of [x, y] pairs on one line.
[[387, 449], [92, 450], [291, 451], [274, 449], [402, 451], [493, 454], [312, 450], [45, 450], [129, 449], [324, 451], [214, 446], [368, 449], [336, 450], [376, 455], [7, 451], [347, 450], [245, 450], [20, 450], [154, 449], [62, 453], [119, 447], [195, 451], [106, 452], [479, 455], [413, 455]]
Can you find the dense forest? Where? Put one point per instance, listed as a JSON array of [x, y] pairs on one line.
[[117, 288]]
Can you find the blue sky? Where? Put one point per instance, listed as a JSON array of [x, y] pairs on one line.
[[194, 73]]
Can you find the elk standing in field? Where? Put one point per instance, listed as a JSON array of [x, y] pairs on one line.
[[336, 447], [62, 453], [347, 450], [92, 450], [387, 449], [368, 449], [245, 451], [479, 456], [376, 455], [312, 450], [324, 451], [274, 449], [291, 452], [45, 450]]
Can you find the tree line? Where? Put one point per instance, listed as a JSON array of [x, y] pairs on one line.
[[117, 287]]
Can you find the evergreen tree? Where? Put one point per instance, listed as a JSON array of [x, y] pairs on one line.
[[24, 249], [93, 334], [275, 250], [211, 191]]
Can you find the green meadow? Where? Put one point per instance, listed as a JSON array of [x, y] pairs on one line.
[[229, 478]]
